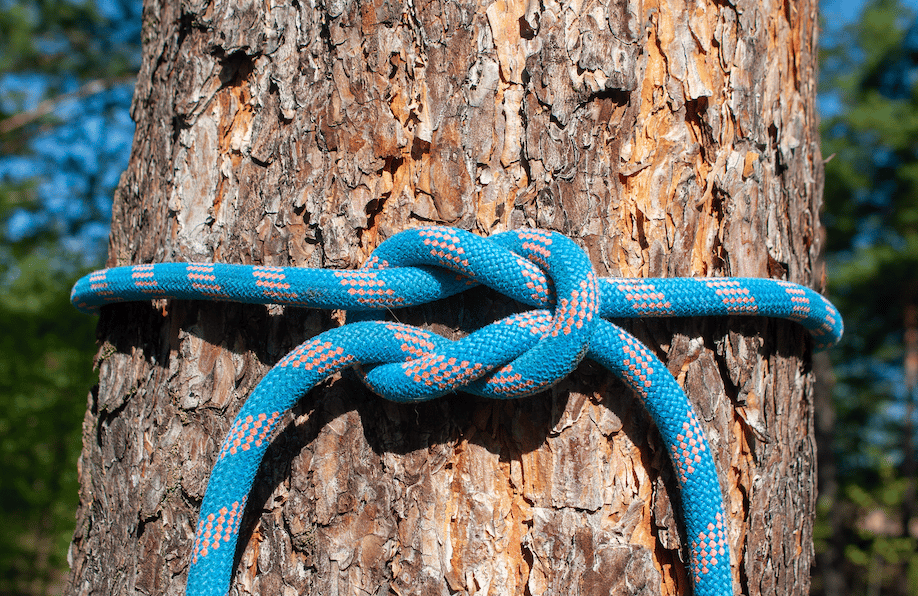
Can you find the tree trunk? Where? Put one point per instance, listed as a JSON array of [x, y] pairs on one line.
[[667, 140]]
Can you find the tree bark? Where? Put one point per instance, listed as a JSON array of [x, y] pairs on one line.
[[673, 139]]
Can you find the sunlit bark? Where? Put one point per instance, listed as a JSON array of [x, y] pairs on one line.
[[667, 139]]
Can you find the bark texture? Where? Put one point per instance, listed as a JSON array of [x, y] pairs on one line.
[[668, 139]]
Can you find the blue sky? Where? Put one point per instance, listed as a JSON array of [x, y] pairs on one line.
[[842, 12]]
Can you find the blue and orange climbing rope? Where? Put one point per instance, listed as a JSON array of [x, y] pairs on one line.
[[517, 356]]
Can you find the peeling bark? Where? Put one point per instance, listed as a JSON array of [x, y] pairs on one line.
[[667, 140]]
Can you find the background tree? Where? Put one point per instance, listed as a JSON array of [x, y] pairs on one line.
[[869, 539], [667, 140], [64, 138]]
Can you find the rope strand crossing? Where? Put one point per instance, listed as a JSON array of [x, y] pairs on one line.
[[517, 356]]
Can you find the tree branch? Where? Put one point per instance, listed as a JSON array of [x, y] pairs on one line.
[[47, 106]]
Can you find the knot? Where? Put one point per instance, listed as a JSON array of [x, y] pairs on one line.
[[516, 356]]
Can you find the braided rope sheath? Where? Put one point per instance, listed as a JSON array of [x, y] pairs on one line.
[[517, 356]]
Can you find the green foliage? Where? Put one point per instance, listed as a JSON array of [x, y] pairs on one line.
[[871, 212], [872, 216], [877, 543], [49, 48], [58, 37], [45, 373]]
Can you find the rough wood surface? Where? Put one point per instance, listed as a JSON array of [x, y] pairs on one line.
[[672, 139]]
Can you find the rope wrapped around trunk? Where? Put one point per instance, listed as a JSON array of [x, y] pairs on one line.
[[516, 356]]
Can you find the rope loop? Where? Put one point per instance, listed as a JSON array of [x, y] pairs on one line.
[[531, 266], [516, 356]]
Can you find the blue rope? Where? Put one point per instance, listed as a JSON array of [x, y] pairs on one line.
[[519, 355]]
